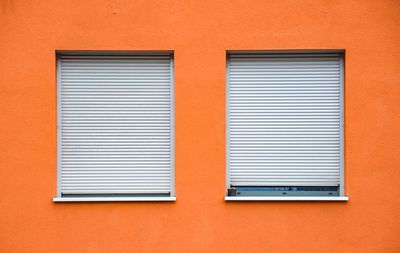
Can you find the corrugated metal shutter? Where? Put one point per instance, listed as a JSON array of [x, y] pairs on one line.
[[284, 119], [116, 124]]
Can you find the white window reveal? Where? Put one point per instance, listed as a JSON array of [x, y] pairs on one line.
[[115, 126], [285, 126]]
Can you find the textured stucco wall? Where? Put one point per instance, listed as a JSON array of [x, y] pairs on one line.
[[200, 32]]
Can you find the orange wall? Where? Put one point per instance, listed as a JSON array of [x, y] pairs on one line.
[[200, 32]]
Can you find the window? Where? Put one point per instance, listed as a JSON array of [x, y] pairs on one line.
[[285, 126], [115, 126]]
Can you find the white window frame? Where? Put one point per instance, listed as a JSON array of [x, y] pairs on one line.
[[59, 197], [342, 196]]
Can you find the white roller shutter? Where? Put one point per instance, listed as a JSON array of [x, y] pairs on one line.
[[115, 124], [284, 119]]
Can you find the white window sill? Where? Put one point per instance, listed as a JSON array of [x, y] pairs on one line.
[[113, 199], [274, 198]]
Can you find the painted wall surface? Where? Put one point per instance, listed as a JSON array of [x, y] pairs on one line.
[[200, 32]]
